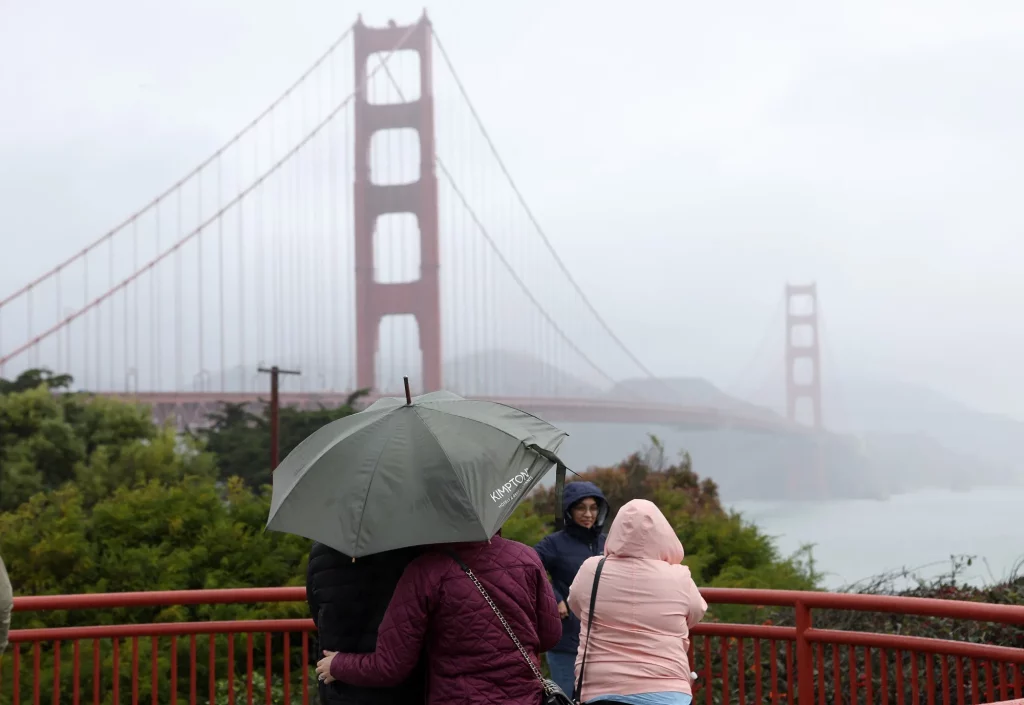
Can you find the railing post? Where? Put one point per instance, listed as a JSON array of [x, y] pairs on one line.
[[804, 659]]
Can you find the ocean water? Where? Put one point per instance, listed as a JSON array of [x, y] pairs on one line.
[[857, 539]]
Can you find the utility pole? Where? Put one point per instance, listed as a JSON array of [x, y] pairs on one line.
[[275, 409]]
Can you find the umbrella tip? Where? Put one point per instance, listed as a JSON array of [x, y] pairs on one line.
[[408, 394], [353, 559]]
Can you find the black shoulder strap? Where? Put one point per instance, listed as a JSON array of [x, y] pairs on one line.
[[578, 691], [457, 558]]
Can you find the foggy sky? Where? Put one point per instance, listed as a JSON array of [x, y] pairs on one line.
[[874, 147]]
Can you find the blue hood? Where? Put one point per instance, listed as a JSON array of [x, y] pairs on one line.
[[574, 492]]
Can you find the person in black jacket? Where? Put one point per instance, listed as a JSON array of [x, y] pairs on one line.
[[585, 511], [347, 600]]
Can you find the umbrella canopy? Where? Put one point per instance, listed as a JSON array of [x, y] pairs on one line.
[[439, 469]]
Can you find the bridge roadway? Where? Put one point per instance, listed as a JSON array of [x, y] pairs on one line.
[[191, 409]]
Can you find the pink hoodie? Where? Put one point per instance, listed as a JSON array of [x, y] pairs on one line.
[[646, 604]]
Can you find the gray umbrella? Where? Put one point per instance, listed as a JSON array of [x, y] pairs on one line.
[[438, 469]]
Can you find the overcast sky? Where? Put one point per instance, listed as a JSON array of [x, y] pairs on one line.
[[875, 147]]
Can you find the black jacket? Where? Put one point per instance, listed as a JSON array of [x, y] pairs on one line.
[[347, 601]]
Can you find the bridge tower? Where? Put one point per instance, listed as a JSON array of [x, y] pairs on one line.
[[421, 298], [802, 346]]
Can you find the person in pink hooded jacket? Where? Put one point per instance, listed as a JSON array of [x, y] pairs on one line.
[[646, 605]]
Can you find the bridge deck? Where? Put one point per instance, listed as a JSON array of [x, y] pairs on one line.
[[191, 408]]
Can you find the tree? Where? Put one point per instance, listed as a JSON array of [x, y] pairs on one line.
[[48, 439], [240, 439], [152, 533], [106, 501], [36, 377]]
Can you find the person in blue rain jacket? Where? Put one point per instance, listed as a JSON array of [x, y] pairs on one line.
[[585, 511]]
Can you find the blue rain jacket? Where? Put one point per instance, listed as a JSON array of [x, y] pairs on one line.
[[563, 552]]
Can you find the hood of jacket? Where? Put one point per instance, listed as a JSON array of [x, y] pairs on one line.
[[574, 492], [640, 530]]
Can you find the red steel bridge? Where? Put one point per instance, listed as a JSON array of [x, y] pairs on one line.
[[349, 233]]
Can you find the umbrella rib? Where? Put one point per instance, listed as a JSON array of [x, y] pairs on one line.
[[366, 497], [330, 446], [496, 428], [465, 490], [474, 401]]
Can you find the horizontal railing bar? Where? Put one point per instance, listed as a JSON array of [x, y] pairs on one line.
[[745, 631], [910, 606], [719, 629], [890, 604], [158, 598], [920, 644], [119, 631], [126, 631]]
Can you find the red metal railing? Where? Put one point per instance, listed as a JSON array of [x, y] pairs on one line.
[[736, 663]]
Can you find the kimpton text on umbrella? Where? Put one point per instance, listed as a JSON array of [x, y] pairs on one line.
[[510, 485]]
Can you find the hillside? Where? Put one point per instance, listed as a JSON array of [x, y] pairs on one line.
[[916, 460], [686, 391], [887, 438], [509, 374], [875, 407], [895, 439]]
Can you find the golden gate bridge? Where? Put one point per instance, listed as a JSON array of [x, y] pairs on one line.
[[347, 232], [342, 233]]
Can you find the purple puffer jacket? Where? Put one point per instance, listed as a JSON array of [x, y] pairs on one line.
[[470, 658]]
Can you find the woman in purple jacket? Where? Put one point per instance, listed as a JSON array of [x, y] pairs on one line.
[[471, 660], [585, 512]]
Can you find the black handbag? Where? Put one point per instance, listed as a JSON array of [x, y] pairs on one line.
[[553, 695]]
